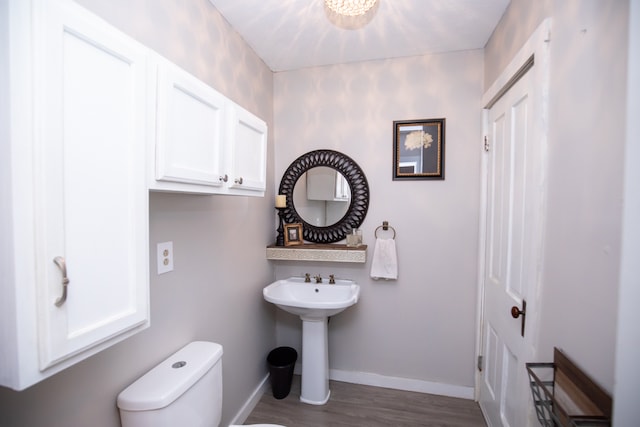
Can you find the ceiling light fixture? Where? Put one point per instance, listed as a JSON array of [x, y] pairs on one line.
[[350, 7]]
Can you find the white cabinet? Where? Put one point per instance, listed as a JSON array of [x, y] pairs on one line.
[[204, 142], [74, 195], [247, 147], [190, 130], [327, 184]]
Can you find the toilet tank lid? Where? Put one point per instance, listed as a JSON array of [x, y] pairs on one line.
[[171, 378]]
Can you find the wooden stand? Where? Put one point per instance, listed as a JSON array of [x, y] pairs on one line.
[[565, 396]]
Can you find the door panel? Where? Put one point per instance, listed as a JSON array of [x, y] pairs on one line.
[[503, 386], [93, 188], [520, 144], [496, 243], [190, 129], [248, 141]]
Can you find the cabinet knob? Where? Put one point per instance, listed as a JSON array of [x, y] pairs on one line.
[[238, 181], [224, 178], [62, 265]]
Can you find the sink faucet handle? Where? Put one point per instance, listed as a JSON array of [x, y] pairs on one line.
[[307, 278], [318, 278], [332, 279]]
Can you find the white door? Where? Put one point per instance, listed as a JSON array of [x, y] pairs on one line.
[[248, 151], [510, 254], [92, 204]]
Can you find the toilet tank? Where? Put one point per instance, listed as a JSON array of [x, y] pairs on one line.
[[183, 390]]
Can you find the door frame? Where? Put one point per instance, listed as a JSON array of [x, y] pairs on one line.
[[537, 46], [625, 407]]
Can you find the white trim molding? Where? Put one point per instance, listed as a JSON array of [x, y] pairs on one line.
[[398, 383], [251, 402], [626, 410], [537, 46]]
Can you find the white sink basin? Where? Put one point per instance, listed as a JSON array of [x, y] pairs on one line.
[[314, 303], [312, 300]]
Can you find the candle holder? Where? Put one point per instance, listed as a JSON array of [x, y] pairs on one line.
[[280, 236]]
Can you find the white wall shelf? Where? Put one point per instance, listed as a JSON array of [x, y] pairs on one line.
[[318, 252]]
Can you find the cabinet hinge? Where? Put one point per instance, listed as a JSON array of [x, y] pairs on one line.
[[486, 143], [480, 363]]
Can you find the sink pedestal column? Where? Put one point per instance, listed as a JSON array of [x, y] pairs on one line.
[[315, 361]]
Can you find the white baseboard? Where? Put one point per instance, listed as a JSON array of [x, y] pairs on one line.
[[406, 384], [251, 402], [397, 383]]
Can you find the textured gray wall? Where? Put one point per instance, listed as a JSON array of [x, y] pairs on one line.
[[421, 326]]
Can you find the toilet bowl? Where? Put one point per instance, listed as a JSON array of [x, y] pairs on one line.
[[185, 389]]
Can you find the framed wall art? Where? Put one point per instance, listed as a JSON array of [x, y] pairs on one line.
[[418, 149]]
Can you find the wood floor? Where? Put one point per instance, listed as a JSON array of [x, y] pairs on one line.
[[358, 405]]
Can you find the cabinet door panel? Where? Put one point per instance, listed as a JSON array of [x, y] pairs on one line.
[[248, 144], [94, 209], [189, 129]]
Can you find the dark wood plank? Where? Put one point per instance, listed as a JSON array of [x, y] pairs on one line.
[[598, 399], [322, 246], [358, 405]]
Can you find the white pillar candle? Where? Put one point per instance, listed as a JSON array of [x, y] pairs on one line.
[[281, 201]]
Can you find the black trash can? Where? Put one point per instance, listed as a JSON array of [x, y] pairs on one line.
[[281, 362]]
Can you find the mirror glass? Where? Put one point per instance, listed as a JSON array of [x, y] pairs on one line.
[[322, 196], [327, 192]]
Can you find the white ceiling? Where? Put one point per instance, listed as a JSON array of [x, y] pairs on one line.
[[292, 34]]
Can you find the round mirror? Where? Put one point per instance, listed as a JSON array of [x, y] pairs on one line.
[[327, 192]]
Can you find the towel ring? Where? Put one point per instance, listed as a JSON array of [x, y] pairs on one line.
[[385, 226]]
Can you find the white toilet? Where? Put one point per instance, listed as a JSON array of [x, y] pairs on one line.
[[184, 390]]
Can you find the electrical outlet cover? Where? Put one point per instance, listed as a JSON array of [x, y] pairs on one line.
[[165, 257]]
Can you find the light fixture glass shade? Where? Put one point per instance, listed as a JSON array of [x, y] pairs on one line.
[[350, 7]]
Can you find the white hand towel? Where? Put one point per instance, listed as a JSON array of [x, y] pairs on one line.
[[384, 264]]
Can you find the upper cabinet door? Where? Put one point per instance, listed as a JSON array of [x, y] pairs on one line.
[[247, 152], [91, 214], [190, 124]]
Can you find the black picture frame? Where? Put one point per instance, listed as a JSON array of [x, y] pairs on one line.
[[418, 149]]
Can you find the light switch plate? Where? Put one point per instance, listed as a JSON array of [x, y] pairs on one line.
[[165, 257]]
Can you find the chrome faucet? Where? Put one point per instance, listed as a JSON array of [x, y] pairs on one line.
[[307, 278], [318, 278], [332, 279]]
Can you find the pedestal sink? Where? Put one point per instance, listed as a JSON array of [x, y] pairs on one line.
[[314, 303]]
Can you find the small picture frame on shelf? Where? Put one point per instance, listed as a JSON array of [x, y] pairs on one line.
[[293, 234]]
